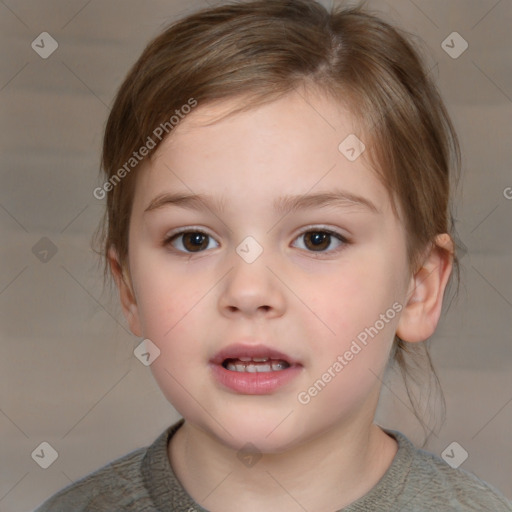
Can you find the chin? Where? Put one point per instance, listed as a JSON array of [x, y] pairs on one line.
[[269, 434]]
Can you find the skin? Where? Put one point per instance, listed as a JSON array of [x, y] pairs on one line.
[[305, 302]]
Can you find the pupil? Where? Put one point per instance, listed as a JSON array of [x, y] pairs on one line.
[[196, 239], [317, 238]]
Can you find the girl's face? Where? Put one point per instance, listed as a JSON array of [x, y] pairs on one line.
[[240, 273]]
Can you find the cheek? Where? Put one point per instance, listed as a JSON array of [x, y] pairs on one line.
[[359, 312], [173, 315], [173, 319], [165, 298], [349, 301], [166, 311], [348, 365]]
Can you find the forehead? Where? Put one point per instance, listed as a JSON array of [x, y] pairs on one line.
[[287, 121], [296, 143]]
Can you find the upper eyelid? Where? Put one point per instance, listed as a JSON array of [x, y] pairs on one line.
[[190, 229]]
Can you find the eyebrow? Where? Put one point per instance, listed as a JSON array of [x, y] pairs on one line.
[[282, 205]]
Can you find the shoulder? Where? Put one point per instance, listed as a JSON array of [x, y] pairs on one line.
[[430, 480], [142, 480], [114, 486]]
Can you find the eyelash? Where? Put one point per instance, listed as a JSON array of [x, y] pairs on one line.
[[344, 241]]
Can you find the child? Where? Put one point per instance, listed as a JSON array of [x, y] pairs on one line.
[[277, 183]]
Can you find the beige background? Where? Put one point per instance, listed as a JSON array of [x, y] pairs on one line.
[[67, 371]]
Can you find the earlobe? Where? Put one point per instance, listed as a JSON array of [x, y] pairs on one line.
[[421, 313], [126, 294]]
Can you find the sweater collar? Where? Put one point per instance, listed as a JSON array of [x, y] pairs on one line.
[[167, 492]]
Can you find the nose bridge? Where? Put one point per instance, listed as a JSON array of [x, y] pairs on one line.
[[250, 286]]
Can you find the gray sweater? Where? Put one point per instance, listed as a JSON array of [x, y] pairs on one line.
[[143, 480]]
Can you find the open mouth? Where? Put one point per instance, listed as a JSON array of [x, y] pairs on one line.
[[250, 369], [255, 365]]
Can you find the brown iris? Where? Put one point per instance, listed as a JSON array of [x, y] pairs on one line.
[[198, 241], [319, 239]]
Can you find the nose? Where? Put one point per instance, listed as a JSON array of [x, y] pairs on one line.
[[251, 289]]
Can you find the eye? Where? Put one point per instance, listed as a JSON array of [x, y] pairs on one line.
[[189, 241], [318, 240]]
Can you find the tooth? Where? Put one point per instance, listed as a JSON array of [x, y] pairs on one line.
[[256, 365], [245, 359], [260, 359]]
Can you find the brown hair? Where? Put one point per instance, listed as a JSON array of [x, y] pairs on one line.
[[261, 50]]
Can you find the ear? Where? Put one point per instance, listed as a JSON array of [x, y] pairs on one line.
[[426, 290], [126, 295]]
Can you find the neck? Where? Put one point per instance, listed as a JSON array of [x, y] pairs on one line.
[[326, 473]]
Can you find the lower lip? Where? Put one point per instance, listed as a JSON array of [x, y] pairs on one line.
[[254, 383]]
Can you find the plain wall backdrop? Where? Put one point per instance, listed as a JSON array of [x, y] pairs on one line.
[[68, 374]]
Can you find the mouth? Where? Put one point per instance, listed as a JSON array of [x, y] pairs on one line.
[[254, 369], [255, 365], [246, 358]]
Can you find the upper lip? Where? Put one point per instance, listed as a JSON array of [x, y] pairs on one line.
[[238, 350]]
